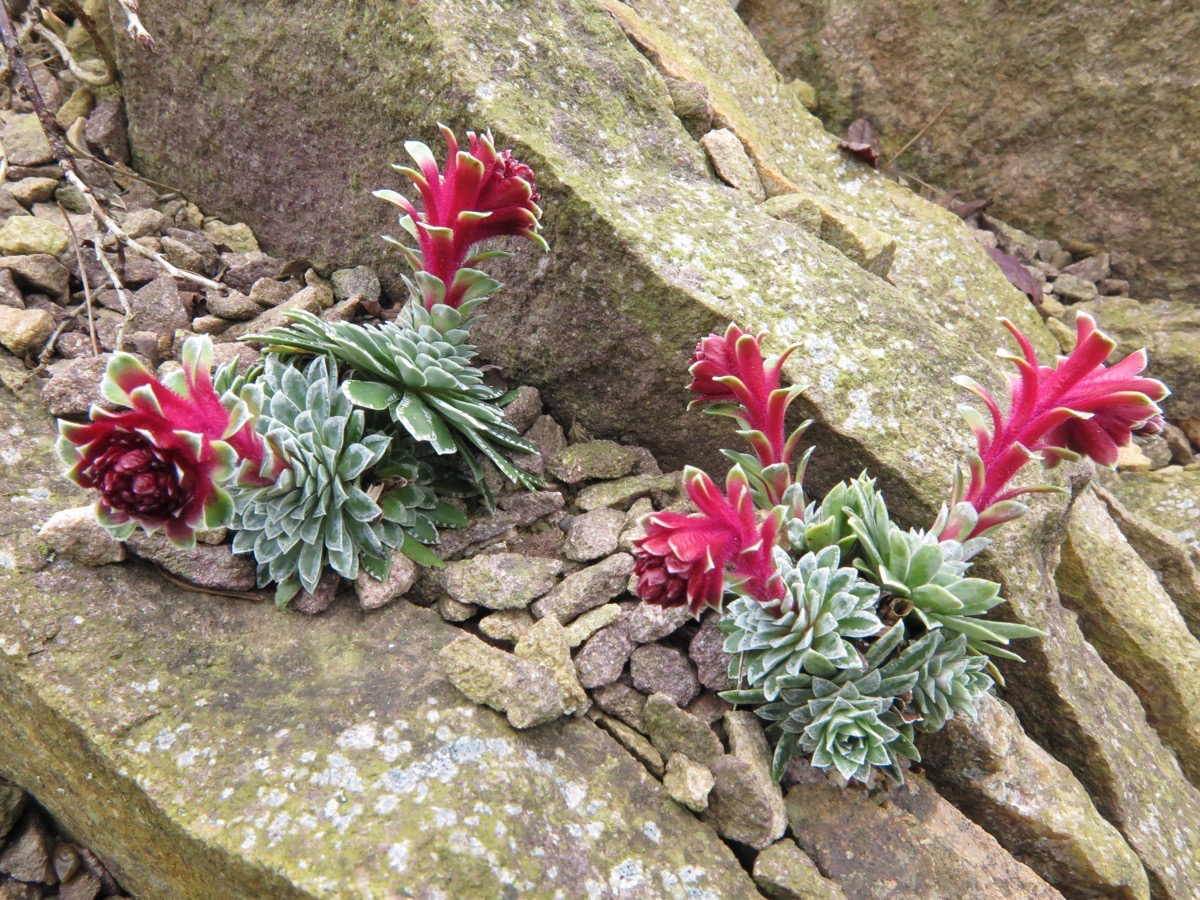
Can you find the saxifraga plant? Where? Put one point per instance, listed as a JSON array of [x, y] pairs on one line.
[[282, 455], [859, 632]]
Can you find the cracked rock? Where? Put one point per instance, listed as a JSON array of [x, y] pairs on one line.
[[525, 691], [202, 565], [586, 589], [592, 461], [75, 534], [26, 857], [624, 702], [688, 782], [593, 535], [603, 657], [506, 625], [674, 730], [501, 580], [706, 651], [657, 669], [591, 622], [374, 594], [784, 872], [546, 643]]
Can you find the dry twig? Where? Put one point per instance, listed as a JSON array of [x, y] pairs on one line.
[[89, 25], [43, 359], [134, 27], [87, 290], [110, 226]]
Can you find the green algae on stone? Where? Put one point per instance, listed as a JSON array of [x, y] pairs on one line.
[[1132, 622], [501, 580], [1030, 803], [1163, 552], [784, 872], [1170, 498], [206, 747]]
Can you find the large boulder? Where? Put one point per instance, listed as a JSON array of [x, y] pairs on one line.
[[219, 748], [1076, 117]]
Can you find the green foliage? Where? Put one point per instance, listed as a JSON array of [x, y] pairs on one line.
[[419, 369], [316, 511], [807, 630], [930, 574], [849, 722], [827, 523], [949, 677]]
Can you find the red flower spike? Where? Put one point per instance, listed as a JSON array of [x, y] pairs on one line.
[[1080, 407], [161, 461], [732, 378], [690, 559], [481, 194]]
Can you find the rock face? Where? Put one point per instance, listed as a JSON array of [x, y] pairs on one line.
[[1023, 88], [1031, 804], [652, 251], [905, 843], [274, 755]]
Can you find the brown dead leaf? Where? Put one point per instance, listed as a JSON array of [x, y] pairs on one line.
[[862, 142]]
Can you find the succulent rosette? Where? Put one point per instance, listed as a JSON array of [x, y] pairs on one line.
[[483, 193], [691, 559], [161, 461]]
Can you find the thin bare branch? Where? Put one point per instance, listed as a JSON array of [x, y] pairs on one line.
[[89, 25], [83, 276], [122, 296], [110, 226], [915, 137], [43, 359], [134, 27]]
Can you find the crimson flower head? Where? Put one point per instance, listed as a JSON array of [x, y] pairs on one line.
[[161, 461], [481, 194], [691, 559], [1078, 408], [733, 379]]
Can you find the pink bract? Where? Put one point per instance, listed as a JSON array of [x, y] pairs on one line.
[[482, 193], [161, 461], [689, 559], [732, 378], [1079, 407]]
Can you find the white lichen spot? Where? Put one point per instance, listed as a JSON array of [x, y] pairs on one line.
[[226, 793], [626, 877], [386, 804], [249, 840], [652, 832], [276, 798], [358, 737], [398, 856], [573, 793], [307, 756]]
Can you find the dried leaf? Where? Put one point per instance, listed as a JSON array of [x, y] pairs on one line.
[[1014, 270], [964, 209], [296, 267], [862, 141]]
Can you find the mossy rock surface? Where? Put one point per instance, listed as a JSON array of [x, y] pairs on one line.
[[209, 747], [303, 112]]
